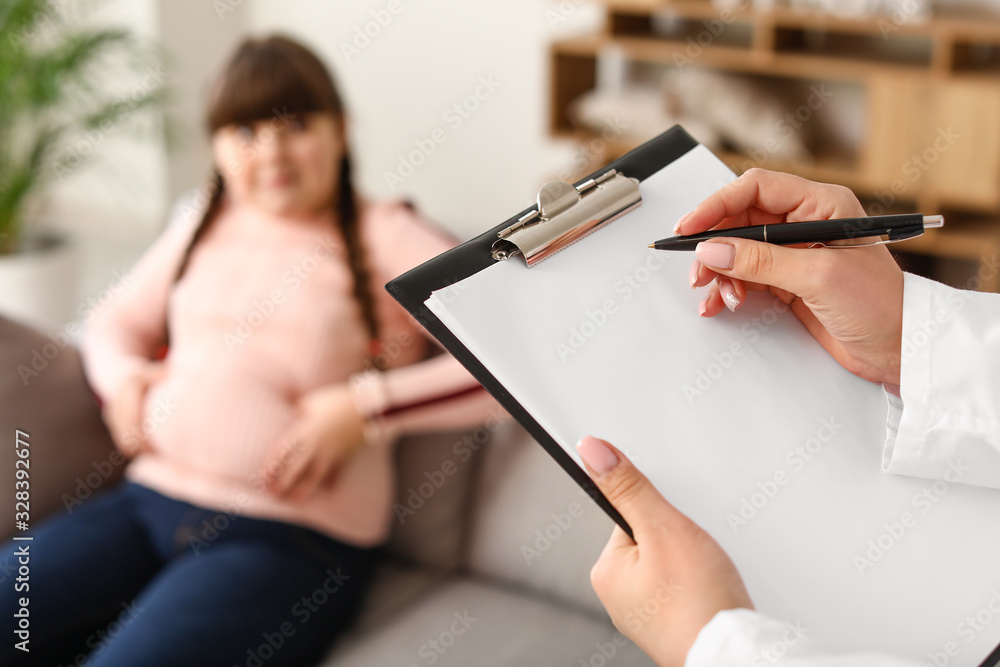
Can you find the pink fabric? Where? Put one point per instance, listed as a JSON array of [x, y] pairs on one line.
[[263, 315]]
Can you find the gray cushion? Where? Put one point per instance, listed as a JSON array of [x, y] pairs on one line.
[[44, 393], [470, 622], [533, 526], [435, 473]]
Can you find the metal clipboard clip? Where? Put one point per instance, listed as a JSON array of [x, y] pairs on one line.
[[565, 214]]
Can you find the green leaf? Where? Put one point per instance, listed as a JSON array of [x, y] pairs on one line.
[[59, 79]]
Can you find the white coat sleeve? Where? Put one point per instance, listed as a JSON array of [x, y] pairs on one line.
[[946, 422], [744, 638]]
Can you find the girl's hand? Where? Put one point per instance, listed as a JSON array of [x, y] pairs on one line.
[[326, 434], [665, 586], [123, 414], [851, 301]]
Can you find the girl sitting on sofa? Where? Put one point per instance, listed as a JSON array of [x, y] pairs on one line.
[[261, 482]]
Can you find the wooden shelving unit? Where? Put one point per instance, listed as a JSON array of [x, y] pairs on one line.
[[920, 82]]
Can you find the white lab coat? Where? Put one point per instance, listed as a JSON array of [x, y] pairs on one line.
[[949, 409]]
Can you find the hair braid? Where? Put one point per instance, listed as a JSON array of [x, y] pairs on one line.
[[217, 185], [350, 227]]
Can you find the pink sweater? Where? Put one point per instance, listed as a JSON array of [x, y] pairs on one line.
[[263, 315]]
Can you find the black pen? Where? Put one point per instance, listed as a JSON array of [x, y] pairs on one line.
[[896, 227]]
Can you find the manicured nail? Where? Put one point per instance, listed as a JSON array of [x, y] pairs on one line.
[[715, 255], [729, 296], [596, 454], [703, 307], [684, 217], [693, 277]]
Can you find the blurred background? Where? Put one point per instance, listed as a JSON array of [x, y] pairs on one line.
[[466, 109], [400, 80], [898, 100]]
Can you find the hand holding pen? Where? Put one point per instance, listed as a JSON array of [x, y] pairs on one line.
[[851, 301]]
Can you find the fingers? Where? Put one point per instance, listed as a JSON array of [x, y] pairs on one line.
[[760, 196], [765, 190], [764, 263], [314, 478], [286, 466], [134, 442], [296, 469], [732, 292], [626, 488], [715, 299], [123, 416], [702, 275]]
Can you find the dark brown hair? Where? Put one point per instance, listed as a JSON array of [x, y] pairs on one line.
[[271, 76]]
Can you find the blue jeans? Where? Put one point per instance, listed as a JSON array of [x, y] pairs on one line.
[[134, 578]]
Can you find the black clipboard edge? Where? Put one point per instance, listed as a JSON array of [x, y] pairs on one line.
[[413, 288]]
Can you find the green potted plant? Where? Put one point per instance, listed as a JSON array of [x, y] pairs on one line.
[[66, 83]]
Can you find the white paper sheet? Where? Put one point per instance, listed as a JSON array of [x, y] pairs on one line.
[[747, 425]]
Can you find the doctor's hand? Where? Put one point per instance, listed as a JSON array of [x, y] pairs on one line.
[[851, 301], [662, 588]]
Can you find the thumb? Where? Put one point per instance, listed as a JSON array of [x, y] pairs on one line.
[[631, 493], [757, 262]]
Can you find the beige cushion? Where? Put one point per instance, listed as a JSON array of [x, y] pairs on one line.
[[467, 621], [43, 393], [533, 526], [396, 587]]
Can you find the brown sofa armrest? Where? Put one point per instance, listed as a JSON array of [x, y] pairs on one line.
[[44, 393]]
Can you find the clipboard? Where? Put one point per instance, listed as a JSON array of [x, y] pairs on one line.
[[412, 289], [559, 204]]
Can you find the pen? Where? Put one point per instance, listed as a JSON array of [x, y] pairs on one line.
[[896, 227]]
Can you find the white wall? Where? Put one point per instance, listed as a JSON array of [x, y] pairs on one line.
[[122, 185], [198, 37], [402, 83]]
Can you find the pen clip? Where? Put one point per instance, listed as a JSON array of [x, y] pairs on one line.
[[898, 234], [886, 241]]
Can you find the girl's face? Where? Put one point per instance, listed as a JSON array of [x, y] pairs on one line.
[[285, 165]]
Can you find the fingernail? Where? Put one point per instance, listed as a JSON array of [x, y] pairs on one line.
[[716, 255], [693, 277], [596, 454], [729, 296], [684, 217], [702, 307]]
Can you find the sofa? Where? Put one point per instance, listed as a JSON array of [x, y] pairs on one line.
[[491, 550]]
